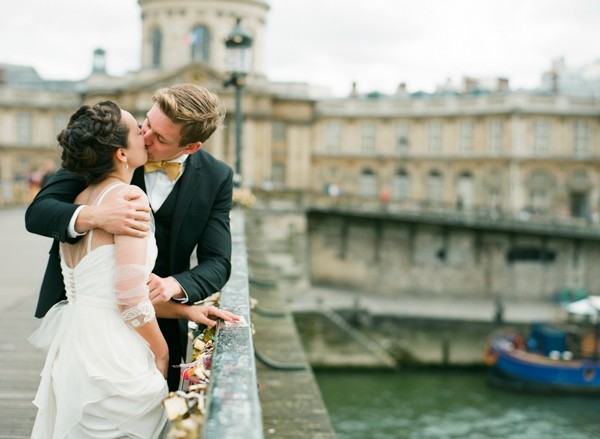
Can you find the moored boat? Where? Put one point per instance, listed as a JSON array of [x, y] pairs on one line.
[[548, 358]]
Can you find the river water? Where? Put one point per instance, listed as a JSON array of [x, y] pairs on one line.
[[449, 404]]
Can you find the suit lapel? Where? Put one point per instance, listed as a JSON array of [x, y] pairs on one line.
[[189, 184]]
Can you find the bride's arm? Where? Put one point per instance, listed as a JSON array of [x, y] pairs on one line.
[[131, 293]]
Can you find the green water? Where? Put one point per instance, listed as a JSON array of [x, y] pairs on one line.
[[454, 404]]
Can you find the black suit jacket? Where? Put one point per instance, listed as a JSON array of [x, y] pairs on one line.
[[200, 220]]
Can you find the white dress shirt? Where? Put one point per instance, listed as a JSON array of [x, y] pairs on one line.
[[158, 185]]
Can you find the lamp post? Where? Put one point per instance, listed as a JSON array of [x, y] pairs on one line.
[[238, 45]]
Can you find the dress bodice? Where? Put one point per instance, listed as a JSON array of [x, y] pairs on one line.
[[90, 268], [93, 345], [92, 280]]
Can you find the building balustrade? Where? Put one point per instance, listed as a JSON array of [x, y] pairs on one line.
[[439, 105], [473, 216]]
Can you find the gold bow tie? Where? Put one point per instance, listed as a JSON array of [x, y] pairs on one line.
[[172, 169]]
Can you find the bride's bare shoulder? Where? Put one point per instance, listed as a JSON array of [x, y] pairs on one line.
[[127, 192]]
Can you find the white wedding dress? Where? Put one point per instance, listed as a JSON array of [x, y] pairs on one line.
[[100, 379]]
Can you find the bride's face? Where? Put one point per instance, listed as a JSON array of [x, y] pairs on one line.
[[137, 154]]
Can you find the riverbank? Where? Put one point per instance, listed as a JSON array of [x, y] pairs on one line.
[[363, 327], [370, 305], [414, 332]]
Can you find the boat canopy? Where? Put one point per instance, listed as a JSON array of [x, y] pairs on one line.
[[590, 306]]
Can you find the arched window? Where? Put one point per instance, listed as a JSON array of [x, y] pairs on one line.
[[402, 138], [465, 190], [156, 47], [540, 185], [435, 137], [434, 187], [541, 136], [401, 185], [367, 185], [200, 42]]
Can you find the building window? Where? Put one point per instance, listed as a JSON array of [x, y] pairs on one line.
[[541, 136], [367, 144], [495, 136], [516, 254], [540, 178], [333, 137], [200, 41], [494, 184], [494, 198], [435, 137], [582, 138], [332, 176], [402, 139], [278, 131], [465, 141], [156, 47], [23, 164], [367, 185], [333, 173], [24, 128], [465, 191], [539, 185], [278, 175], [60, 123], [434, 187], [400, 186], [538, 200]]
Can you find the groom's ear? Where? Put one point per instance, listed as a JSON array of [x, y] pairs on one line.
[[191, 148]]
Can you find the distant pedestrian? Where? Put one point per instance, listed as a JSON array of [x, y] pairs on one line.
[[47, 171], [498, 312]]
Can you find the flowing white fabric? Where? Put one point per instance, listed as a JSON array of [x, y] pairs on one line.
[[100, 378]]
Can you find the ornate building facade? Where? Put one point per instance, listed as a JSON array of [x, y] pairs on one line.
[[491, 149], [515, 152]]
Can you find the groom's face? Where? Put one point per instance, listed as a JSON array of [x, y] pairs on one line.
[[161, 136]]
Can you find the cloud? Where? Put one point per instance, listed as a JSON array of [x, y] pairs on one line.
[[381, 43], [58, 37], [378, 43]]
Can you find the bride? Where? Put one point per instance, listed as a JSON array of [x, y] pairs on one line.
[[104, 375]]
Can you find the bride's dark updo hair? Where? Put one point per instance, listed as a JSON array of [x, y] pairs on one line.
[[91, 138]]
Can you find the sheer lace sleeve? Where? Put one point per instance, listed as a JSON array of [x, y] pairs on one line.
[[131, 278]]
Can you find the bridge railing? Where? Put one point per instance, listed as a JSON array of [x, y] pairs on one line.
[[233, 406], [220, 400]]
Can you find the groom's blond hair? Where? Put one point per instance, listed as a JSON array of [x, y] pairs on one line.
[[196, 109]]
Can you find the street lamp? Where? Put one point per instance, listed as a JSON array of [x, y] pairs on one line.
[[238, 45]]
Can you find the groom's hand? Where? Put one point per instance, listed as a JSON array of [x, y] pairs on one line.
[[162, 289], [130, 215]]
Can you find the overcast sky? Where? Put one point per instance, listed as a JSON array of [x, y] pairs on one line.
[[377, 43]]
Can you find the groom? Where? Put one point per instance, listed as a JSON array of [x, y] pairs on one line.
[[190, 205]]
